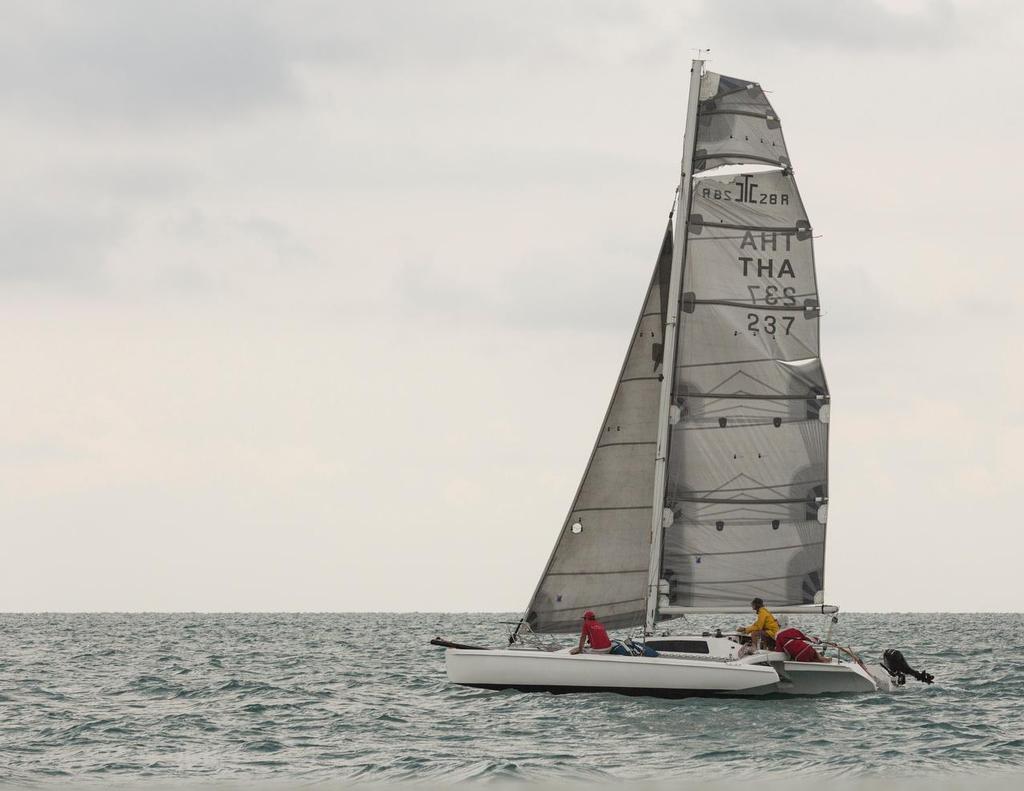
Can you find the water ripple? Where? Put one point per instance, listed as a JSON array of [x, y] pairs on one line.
[[333, 698]]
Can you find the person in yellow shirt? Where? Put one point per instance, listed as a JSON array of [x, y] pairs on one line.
[[764, 628]]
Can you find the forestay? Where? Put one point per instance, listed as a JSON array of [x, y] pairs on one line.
[[600, 560], [747, 472]]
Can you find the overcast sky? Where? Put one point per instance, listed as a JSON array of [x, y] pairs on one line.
[[318, 305]]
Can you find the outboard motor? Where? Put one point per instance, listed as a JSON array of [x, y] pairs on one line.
[[897, 667]]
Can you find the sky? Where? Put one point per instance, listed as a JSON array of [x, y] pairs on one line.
[[318, 305]]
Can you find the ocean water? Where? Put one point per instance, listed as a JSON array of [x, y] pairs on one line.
[[336, 699]]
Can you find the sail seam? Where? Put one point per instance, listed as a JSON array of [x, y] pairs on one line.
[[752, 551], [736, 362], [619, 444], [813, 482], [752, 579], [597, 605], [720, 489], [582, 573]]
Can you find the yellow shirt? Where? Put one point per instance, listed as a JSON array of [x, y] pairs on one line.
[[765, 623]]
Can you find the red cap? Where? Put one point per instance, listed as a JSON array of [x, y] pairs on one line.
[[589, 616]]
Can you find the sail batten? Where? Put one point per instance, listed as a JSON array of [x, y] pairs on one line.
[[592, 571], [743, 500], [730, 303]]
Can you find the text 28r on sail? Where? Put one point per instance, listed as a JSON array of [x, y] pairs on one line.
[[746, 192]]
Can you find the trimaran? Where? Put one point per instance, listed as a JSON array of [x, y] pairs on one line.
[[708, 483]]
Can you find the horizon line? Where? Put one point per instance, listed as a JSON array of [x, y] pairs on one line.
[[440, 612]]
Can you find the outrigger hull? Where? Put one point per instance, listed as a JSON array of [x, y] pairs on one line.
[[812, 678], [667, 677]]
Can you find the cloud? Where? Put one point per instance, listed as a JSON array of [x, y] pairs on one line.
[[188, 252], [453, 34], [118, 60], [869, 25], [249, 249], [52, 246], [393, 33], [588, 284]]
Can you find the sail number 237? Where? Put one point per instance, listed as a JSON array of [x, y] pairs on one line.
[[769, 324]]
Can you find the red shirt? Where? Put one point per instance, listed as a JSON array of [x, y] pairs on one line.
[[596, 634]]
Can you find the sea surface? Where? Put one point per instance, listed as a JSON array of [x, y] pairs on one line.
[[335, 699]]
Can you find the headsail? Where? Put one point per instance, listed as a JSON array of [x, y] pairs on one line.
[[601, 558], [747, 470]]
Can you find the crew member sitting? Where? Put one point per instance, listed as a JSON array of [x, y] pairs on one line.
[[765, 627], [593, 637]]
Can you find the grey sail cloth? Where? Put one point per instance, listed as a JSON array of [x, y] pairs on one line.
[[736, 124], [601, 564], [747, 472]]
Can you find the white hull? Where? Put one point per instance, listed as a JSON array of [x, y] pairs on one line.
[[536, 671], [663, 676]]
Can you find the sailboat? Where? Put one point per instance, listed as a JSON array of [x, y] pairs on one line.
[[708, 483]]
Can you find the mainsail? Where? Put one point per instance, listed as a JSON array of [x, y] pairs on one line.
[[747, 471], [601, 558], [745, 494]]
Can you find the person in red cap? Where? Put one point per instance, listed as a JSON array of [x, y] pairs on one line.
[[593, 637]]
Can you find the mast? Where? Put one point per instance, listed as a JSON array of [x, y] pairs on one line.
[[668, 365]]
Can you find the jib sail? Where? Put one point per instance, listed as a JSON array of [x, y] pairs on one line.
[[600, 560]]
